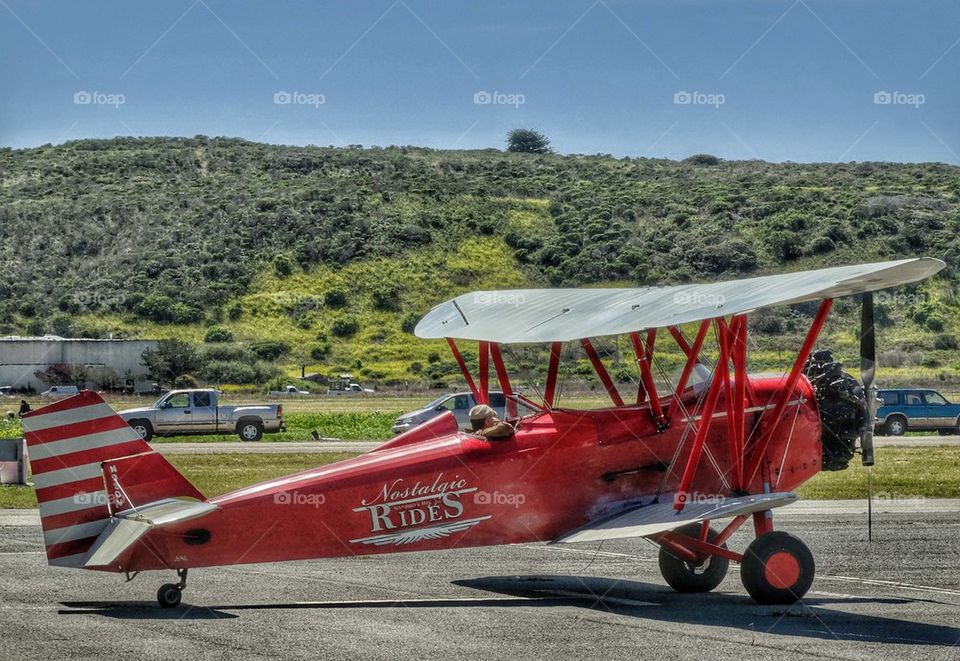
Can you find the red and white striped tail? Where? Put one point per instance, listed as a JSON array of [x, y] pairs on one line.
[[66, 443]]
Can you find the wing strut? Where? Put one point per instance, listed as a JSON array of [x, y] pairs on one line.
[[706, 417], [693, 357], [741, 382], [550, 388], [484, 364], [601, 372], [759, 450], [503, 379], [463, 368], [648, 389]]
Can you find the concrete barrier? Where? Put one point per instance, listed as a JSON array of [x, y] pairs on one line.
[[11, 461]]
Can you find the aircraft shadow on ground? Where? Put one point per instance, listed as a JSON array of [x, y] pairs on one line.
[[134, 610], [808, 618], [142, 610]]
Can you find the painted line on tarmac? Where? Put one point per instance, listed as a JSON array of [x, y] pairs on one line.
[[891, 584], [620, 601], [599, 554], [22, 552]]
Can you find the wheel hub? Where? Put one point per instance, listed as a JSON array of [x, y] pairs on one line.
[[781, 570]]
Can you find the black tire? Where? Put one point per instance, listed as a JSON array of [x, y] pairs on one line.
[[143, 428], [951, 431], [169, 595], [250, 430], [684, 576], [777, 568], [896, 425]]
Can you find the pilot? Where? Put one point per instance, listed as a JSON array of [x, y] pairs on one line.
[[485, 423]]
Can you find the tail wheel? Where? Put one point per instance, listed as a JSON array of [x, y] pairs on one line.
[[685, 576], [777, 568], [250, 430], [169, 595], [143, 428]]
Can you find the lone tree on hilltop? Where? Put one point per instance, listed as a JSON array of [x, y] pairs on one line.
[[528, 142]]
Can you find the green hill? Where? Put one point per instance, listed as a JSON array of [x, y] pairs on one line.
[[334, 253]]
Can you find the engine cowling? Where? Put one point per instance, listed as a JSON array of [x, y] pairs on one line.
[[842, 405]]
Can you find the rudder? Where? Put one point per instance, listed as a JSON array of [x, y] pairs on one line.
[[68, 445]]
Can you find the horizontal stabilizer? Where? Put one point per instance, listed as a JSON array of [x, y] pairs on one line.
[[661, 517], [117, 537], [127, 527]]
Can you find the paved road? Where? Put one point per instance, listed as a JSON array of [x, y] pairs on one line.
[[914, 441], [363, 446], [898, 597]]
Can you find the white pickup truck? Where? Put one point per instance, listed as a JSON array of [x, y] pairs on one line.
[[351, 389], [288, 391], [189, 412]]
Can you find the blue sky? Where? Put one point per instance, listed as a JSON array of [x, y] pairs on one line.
[[804, 80]]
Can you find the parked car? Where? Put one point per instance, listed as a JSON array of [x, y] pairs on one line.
[[200, 412], [460, 404], [351, 389], [288, 390], [56, 392], [916, 409], [344, 385]]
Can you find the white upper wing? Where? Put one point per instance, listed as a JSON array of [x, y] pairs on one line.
[[557, 315]]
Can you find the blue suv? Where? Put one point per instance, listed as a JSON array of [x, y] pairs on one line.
[[915, 409]]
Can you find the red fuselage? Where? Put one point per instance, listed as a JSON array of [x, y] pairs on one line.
[[438, 488]]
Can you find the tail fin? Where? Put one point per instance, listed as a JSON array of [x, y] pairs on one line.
[[69, 445]]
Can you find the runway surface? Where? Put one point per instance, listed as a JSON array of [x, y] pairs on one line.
[[897, 597], [363, 446]]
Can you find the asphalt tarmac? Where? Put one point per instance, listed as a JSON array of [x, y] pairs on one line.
[[895, 598]]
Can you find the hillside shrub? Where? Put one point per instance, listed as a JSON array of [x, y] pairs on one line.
[[218, 334]]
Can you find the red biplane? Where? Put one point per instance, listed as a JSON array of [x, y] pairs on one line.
[[720, 445]]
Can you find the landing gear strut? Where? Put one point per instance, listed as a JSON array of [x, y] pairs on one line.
[[169, 594]]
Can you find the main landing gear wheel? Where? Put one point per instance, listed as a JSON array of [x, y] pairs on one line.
[[777, 568], [685, 576], [169, 594]]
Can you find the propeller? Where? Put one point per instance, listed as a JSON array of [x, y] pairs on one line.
[[868, 370]]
